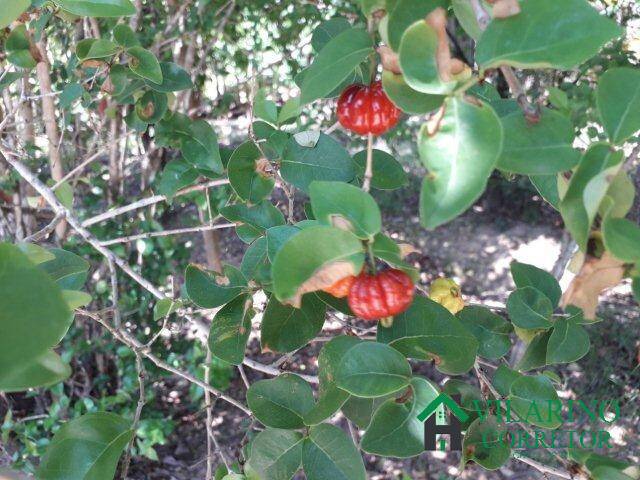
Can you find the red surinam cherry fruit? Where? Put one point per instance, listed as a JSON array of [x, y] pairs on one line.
[[367, 109], [374, 297], [341, 288]]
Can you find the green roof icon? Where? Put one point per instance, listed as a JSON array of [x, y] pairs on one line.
[[447, 401]]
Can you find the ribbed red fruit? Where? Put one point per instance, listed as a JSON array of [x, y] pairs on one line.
[[383, 295], [367, 109], [341, 288]]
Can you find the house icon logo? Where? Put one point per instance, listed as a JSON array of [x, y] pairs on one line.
[[435, 422]]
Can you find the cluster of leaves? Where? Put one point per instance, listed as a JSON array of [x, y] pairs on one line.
[[472, 132]]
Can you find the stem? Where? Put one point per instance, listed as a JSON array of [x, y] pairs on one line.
[[368, 172]]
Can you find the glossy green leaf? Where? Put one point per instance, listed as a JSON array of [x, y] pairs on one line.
[[622, 238], [327, 160], [67, 269], [97, 8], [281, 402], [406, 98], [255, 262], [530, 398], [330, 400], [276, 454], [324, 32], [264, 108], [174, 79], [529, 308], [329, 454], [466, 16], [11, 11], [418, 60], [428, 331], [176, 175], [581, 203], [230, 330], [346, 207], [536, 39], [86, 448], [482, 444], [460, 157], [99, 49], [17, 47], [200, 147], [535, 356], [8, 78], [405, 13], [125, 36], [547, 186], [609, 473], [525, 275], [335, 62], [388, 174], [30, 328], [253, 221], [543, 148], [620, 196], [211, 290], [285, 329], [618, 98], [371, 369], [569, 342], [42, 371], [491, 330], [70, 93], [247, 175], [144, 63], [332, 249], [395, 430], [35, 253], [76, 299], [152, 106], [503, 378]]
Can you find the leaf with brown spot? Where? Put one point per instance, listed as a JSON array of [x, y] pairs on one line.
[[389, 59], [506, 8], [596, 276]]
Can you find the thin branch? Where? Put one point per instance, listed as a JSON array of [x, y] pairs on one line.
[[77, 169], [368, 172], [165, 233], [46, 231], [542, 468], [274, 371], [136, 418], [145, 202]]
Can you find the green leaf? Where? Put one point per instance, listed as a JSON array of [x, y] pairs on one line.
[[255, 263], [200, 147], [125, 36], [360, 410], [247, 175], [622, 239], [18, 50], [70, 93], [346, 207], [174, 79], [8, 78], [230, 330], [30, 328], [11, 11], [538, 391], [97, 8], [85, 448], [388, 174], [324, 32], [405, 13], [525, 275], [491, 330], [99, 49], [460, 157], [211, 290], [285, 329], [276, 454], [329, 454], [331, 355], [176, 175], [327, 160], [331, 399], [265, 109], [371, 369], [335, 62], [35, 253], [621, 194], [281, 402], [503, 378], [428, 331], [543, 148], [418, 60], [547, 186], [581, 203], [152, 106], [42, 371], [293, 267], [67, 269], [536, 39], [466, 16], [529, 308], [569, 342], [609, 473], [76, 298], [395, 430], [252, 222], [144, 63], [482, 444], [558, 98], [165, 307], [618, 99], [535, 356], [277, 237], [406, 98]]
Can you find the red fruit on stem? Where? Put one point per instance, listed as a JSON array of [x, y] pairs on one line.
[[373, 297], [367, 109], [341, 288]]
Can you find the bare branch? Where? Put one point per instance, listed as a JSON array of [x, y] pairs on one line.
[[165, 233], [275, 371]]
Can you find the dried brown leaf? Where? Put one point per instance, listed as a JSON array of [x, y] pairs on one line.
[[596, 276], [389, 59], [324, 277], [506, 8], [407, 249]]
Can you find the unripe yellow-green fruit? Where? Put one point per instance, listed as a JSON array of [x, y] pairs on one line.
[[447, 293]]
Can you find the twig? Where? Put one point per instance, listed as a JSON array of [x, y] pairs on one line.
[[145, 202], [567, 249], [136, 418], [542, 468], [274, 371], [211, 439], [77, 169], [368, 172], [165, 233], [46, 231]]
